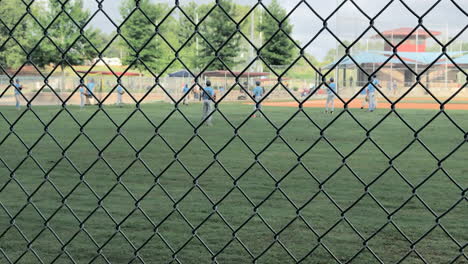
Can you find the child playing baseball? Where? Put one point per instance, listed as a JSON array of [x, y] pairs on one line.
[[18, 88], [331, 91], [258, 94]]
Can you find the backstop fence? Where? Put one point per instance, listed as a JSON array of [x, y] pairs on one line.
[[56, 208]]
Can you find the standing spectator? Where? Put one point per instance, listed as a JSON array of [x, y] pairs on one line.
[[394, 87], [120, 92], [305, 92], [257, 94], [208, 97], [428, 88], [18, 88], [198, 91], [185, 94], [331, 91], [371, 92], [351, 81], [195, 91], [312, 89]]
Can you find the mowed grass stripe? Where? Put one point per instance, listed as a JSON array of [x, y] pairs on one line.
[[320, 175]]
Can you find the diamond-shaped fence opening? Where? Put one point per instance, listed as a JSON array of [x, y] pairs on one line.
[[136, 131]]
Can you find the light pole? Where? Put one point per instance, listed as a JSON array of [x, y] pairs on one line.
[[196, 37], [446, 60], [252, 38], [337, 67]]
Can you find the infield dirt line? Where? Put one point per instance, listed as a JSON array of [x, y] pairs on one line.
[[357, 104]]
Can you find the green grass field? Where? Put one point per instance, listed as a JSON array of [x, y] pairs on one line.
[[237, 204]]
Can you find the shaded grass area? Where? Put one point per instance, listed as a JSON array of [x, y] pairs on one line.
[[118, 198]]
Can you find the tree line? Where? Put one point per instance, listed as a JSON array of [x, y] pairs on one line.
[[61, 34], [45, 34]]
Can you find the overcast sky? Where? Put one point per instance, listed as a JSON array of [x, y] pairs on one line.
[[349, 22]]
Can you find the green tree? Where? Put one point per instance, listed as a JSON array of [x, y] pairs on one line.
[[332, 55], [114, 49], [186, 27], [65, 32], [279, 50], [139, 30], [66, 28], [217, 29], [185, 30], [302, 69], [456, 46], [357, 48], [11, 54], [98, 39]]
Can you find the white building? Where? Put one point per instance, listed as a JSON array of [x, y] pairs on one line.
[[108, 61]]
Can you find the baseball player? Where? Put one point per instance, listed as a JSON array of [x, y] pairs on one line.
[[18, 88], [185, 91], [330, 105], [120, 92], [371, 93], [257, 94], [89, 92], [208, 95], [83, 93]]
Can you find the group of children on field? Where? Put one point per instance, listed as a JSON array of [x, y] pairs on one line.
[[367, 95], [196, 92], [87, 94], [208, 96]]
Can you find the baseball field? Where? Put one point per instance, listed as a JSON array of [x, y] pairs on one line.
[[152, 185]]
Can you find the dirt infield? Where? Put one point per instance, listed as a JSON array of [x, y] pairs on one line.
[[382, 105], [427, 99]]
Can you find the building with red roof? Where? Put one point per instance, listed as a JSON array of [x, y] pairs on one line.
[[416, 42], [411, 56]]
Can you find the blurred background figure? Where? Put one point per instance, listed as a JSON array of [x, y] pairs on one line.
[[120, 92], [186, 94], [18, 88]]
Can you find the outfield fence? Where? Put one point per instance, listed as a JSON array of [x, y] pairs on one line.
[[63, 93], [63, 89]]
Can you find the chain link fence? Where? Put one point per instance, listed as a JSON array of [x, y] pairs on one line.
[[289, 190]]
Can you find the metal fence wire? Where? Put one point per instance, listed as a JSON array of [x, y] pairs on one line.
[[28, 245]]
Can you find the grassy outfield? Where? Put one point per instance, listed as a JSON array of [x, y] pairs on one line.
[[319, 208]]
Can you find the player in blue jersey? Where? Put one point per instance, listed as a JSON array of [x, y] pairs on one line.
[[186, 94], [120, 92], [257, 94], [90, 92], [82, 91], [208, 95], [371, 92]]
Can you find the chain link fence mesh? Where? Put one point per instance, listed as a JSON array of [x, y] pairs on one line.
[[71, 199]]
